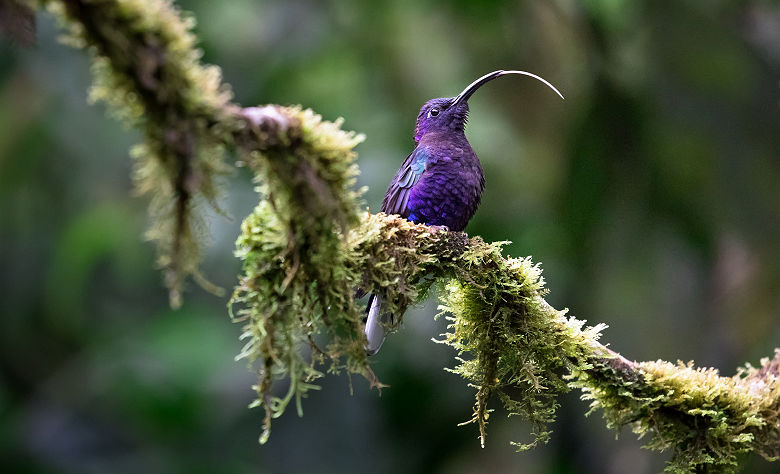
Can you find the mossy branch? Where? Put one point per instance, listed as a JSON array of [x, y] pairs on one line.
[[306, 247], [514, 339], [148, 71], [512, 345]]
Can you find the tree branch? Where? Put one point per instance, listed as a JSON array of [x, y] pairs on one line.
[[707, 419], [148, 71], [306, 247]]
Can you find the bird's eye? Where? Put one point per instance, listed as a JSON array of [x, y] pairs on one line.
[[433, 112]]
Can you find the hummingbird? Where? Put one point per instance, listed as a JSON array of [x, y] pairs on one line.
[[439, 184]]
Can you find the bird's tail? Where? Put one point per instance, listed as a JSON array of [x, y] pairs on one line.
[[375, 324]]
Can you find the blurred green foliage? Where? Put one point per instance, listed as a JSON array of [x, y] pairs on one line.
[[651, 195]]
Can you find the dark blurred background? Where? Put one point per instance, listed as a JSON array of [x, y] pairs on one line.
[[651, 195]]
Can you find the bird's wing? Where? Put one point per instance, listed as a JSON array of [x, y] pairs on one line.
[[408, 175]]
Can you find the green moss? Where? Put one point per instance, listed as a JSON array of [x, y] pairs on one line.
[[511, 346], [147, 70], [296, 283], [706, 419], [306, 249]]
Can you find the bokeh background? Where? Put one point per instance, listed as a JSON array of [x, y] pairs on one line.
[[651, 195]]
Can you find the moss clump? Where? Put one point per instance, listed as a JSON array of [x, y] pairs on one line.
[[706, 419], [296, 284], [505, 334], [147, 69], [511, 345], [513, 348], [518, 348]]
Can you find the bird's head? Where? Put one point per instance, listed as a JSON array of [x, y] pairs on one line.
[[449, 114]]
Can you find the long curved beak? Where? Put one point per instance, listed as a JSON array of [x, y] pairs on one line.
[[468, 91]]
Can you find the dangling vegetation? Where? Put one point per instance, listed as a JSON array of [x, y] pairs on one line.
[[147, 70], [308, 252]]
